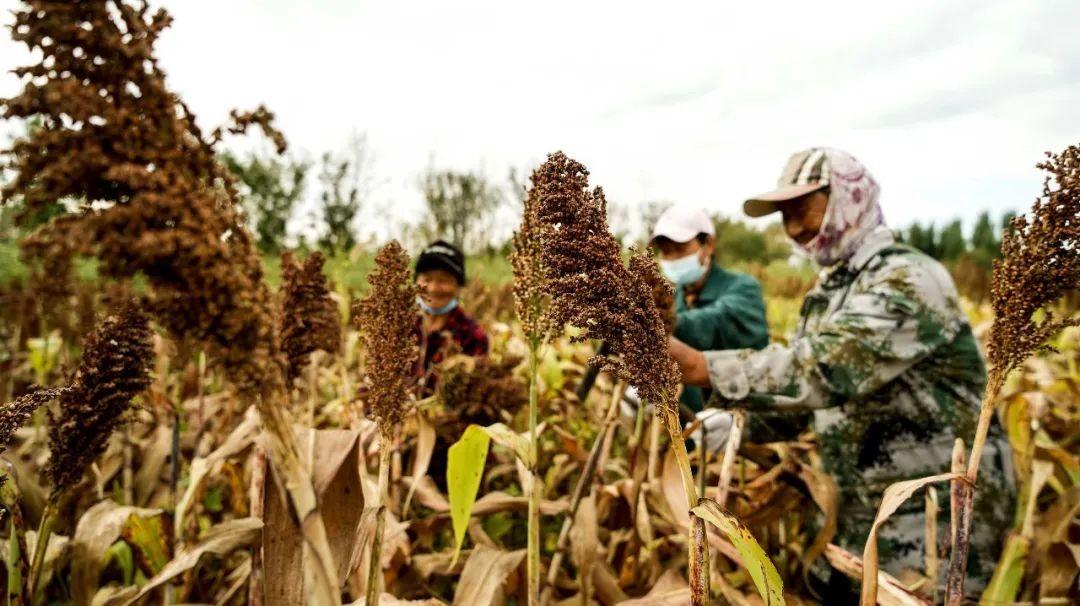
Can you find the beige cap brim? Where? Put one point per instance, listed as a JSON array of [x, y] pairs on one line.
[[766, 203]]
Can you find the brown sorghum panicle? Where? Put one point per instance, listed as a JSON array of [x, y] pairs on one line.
[[530, 300], [480, 390], [309, 316], [591, 289], [114, 369], [111, 131], [18, 411], [387, 320], [1040, 263]]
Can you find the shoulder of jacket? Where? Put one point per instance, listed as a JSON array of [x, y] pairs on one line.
[[903, 268]]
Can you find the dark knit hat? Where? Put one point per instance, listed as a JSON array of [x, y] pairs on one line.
[[442, 255]]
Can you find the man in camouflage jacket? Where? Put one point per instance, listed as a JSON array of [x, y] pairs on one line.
[[883, 356]]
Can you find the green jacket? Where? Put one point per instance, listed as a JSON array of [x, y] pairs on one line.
[[729, 314]]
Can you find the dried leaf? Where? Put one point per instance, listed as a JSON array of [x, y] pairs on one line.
[[670, 589], [96, 531], [506, 437], [388, 600], [826, 495], [484, 573], [671, 480], [425, 447], [336, 481], [891, 500], [893, 592], [585, 541], [151, 462], [241, 437], [220, 540]]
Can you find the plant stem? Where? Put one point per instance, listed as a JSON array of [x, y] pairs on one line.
[[127, 477], [697, 545], [533, 547], [964, 493], [930, 541], [731, 449], [637, 474], [959, 491], [256, 496], [40, 547], [14, 562], [375, 564]]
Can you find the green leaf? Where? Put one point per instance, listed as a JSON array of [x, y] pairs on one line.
[[465, 466], [1005, 584], [212, 498], [14, 566], [767, 580], [120, 552]]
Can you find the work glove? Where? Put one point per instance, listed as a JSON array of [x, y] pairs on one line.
[[629, 404], [716, 425]]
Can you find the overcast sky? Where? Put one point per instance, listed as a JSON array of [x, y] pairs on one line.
[[950, 104]]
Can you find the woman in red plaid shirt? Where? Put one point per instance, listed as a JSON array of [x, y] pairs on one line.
[[440, 274]]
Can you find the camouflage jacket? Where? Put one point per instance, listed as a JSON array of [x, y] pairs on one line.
[[887, 362]]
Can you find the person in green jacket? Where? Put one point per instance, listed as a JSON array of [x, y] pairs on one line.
[[714, 307]]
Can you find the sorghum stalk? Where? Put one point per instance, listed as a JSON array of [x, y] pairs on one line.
[[592, 289], [533, 543], [529, 303], [387, 317], [1040, 263], [44, 533], [374, 581]]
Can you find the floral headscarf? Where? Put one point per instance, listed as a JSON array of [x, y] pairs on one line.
[[852, 214]]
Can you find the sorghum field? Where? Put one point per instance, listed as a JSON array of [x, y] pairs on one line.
[[185, 427]]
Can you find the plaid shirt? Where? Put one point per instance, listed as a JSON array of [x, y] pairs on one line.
[[460, 332]]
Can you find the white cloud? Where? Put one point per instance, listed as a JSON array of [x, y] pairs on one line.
[[949, 104]]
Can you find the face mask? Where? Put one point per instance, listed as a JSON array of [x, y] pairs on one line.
[[684, 271], [437, 311]]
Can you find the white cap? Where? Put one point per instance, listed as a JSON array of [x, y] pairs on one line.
[[682, 224]]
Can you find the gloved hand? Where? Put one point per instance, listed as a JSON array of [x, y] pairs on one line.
[[716, 425], [629, 404]]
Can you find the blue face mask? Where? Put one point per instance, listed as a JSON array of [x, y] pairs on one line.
[[437, 311], [684, 271]]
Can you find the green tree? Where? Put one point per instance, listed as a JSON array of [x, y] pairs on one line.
[[985, 245], [736, 241], [923, 238], [952, 243], [1006, 221], [460, 207], [345, 182], [270, 188]]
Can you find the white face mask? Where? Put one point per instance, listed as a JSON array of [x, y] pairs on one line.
[[683, 271]]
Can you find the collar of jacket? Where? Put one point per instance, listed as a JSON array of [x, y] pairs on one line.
[[877, 240]]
